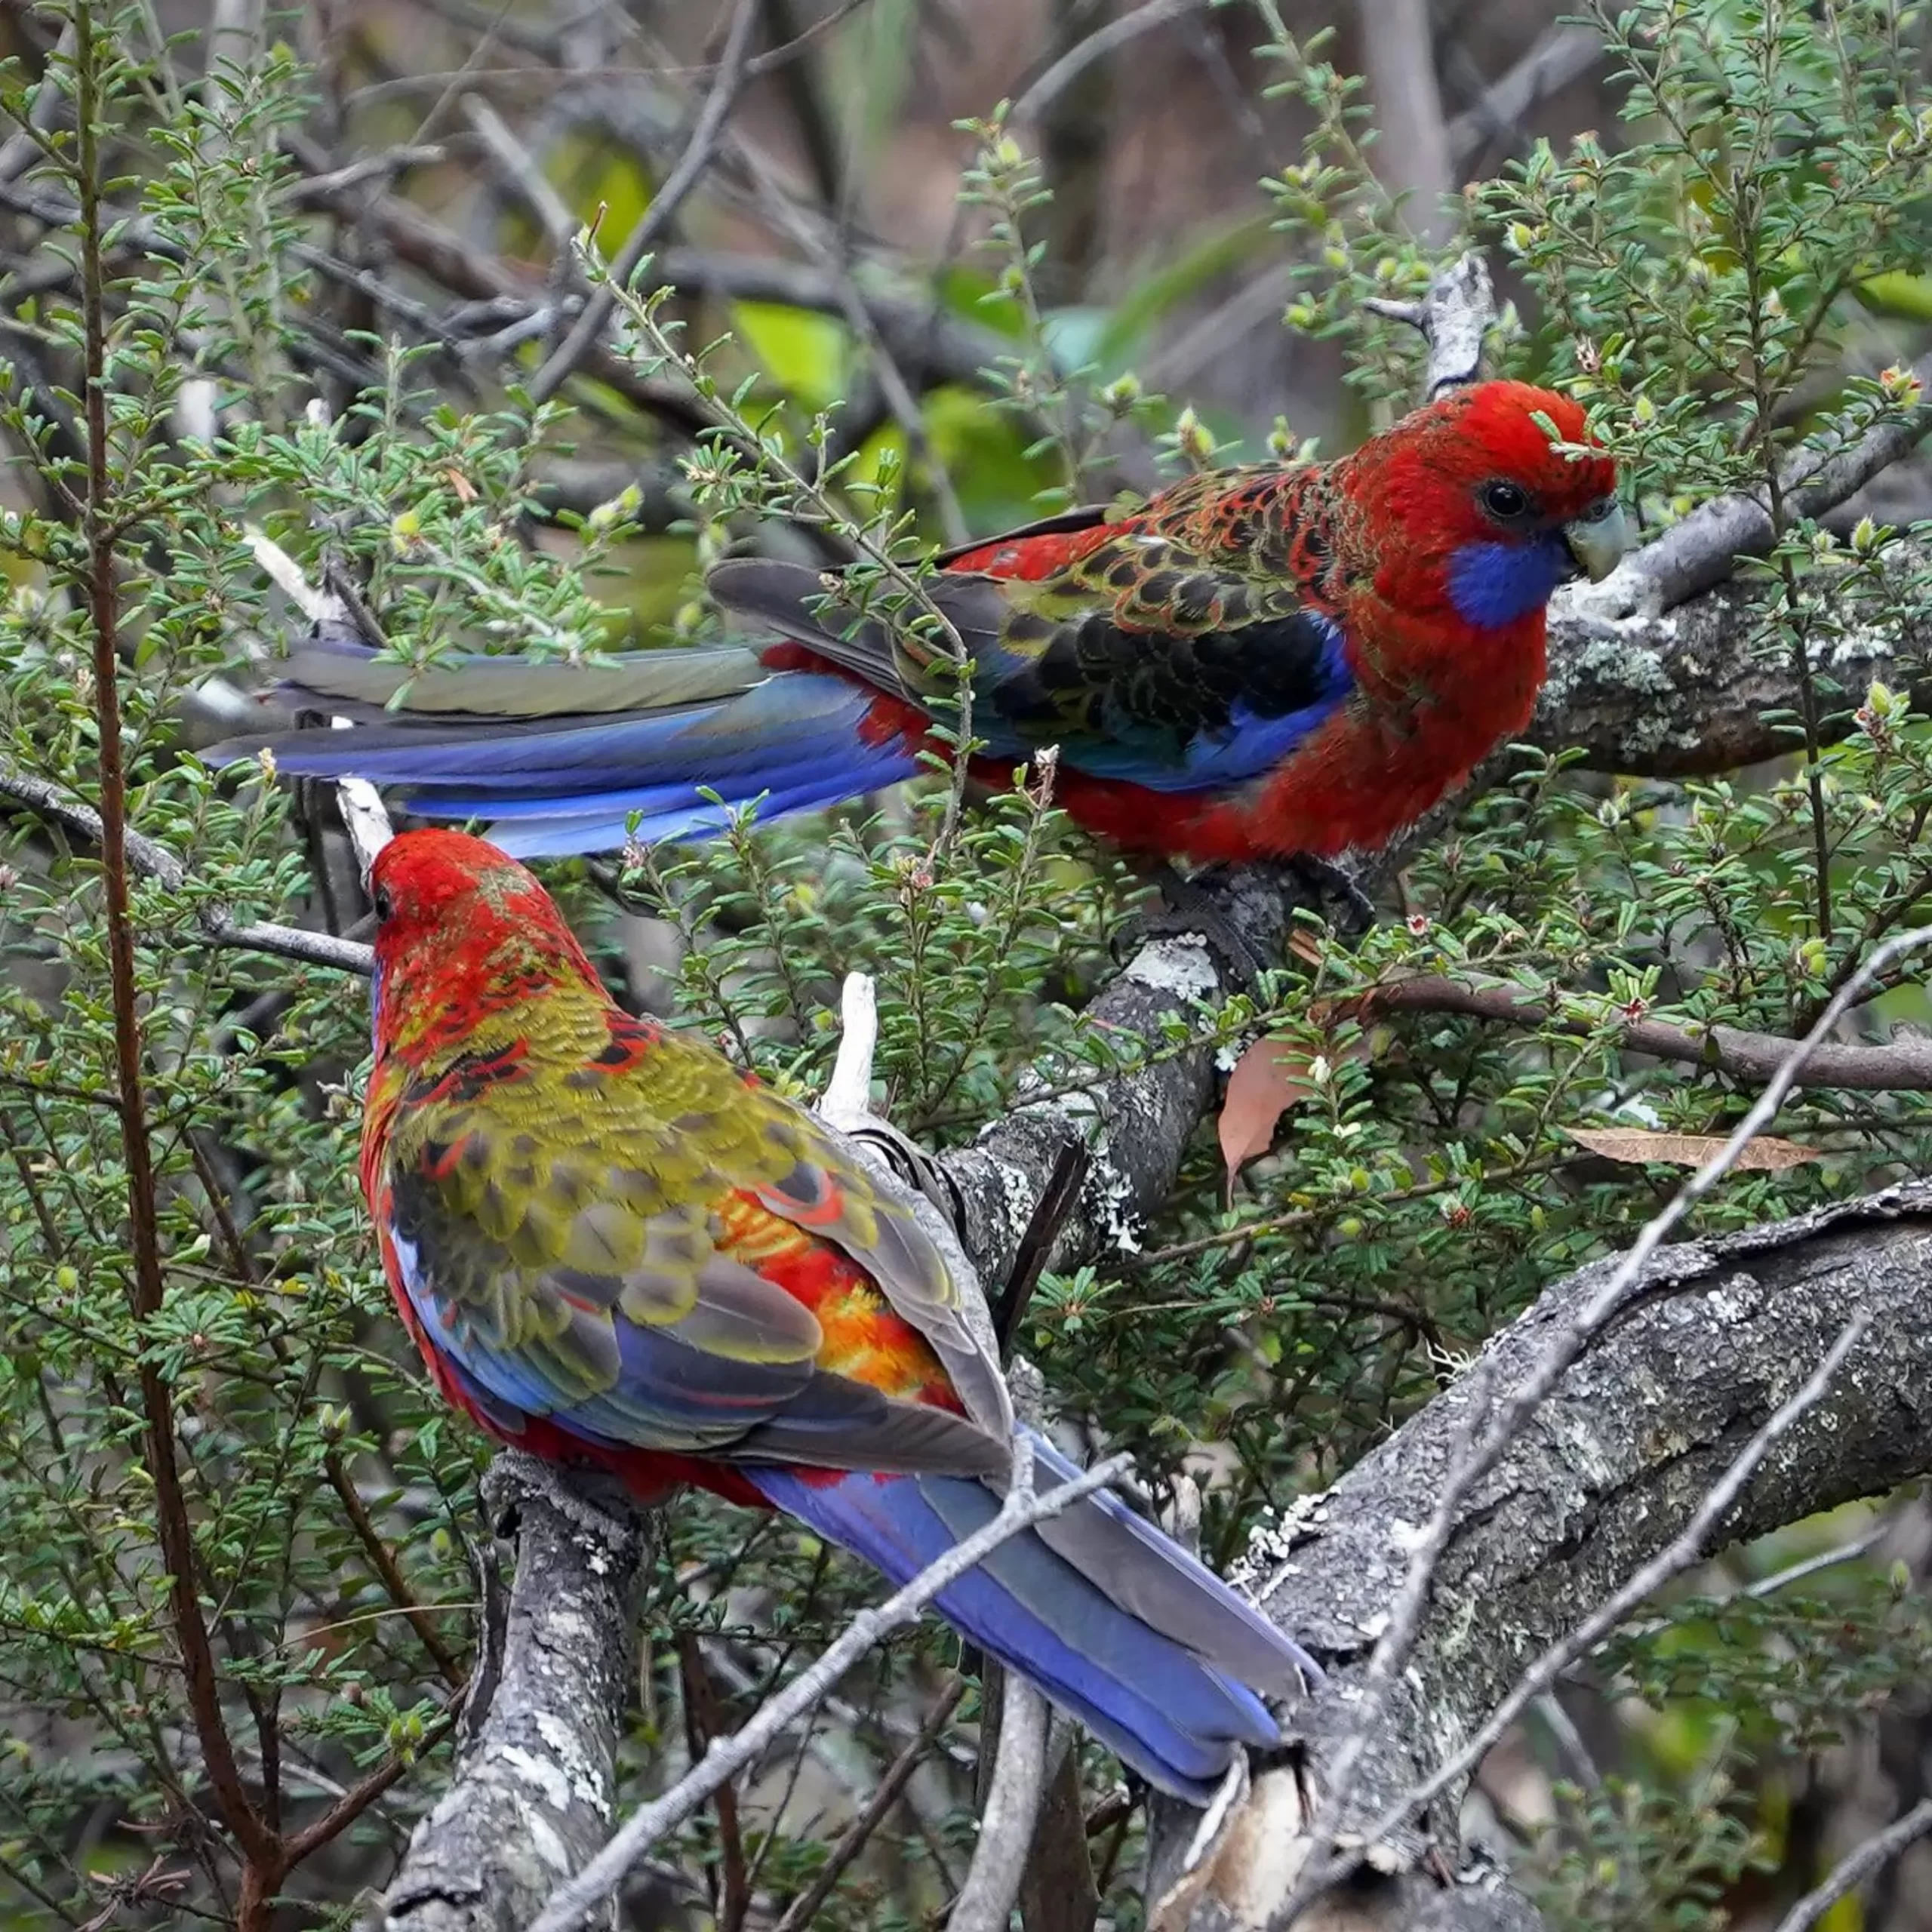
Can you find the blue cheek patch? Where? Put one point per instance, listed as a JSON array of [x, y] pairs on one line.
[[1492, 584]]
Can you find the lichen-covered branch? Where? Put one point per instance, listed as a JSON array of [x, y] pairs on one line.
[[1690, 690], [1710, 1338], [535, 1791]]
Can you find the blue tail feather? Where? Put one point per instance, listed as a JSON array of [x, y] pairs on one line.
[[791, 743], [567, 831], [1164, 1708]]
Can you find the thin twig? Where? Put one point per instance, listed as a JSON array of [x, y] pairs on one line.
[[394, 1582], [664, 205], [857, 1835], [1853, 1869], [569, 1904], [152, 860], [1095, 46], [1010, 1814], [1560, 56], [364, 1792], [521, 171], [1903, 1065], [704, 1724]]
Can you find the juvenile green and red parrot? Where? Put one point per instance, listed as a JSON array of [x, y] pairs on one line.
[[1265, 662], [612, 1247]]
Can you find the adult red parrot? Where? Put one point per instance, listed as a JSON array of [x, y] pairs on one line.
[[1264, 662], [612, 1247]]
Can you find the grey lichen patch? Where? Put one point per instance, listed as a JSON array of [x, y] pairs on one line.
[[1630, 591], [1180, 967], [547, 1780], [1739, 1297], [1112, 1192], [587, 1782], [548, 1844], [1017, 1193]]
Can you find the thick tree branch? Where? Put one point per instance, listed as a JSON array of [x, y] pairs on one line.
[[536, 1790], [1707, 1342], [1691, 691], [1692, 555]]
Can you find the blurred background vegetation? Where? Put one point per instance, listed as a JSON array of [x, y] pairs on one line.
[[346, 262]]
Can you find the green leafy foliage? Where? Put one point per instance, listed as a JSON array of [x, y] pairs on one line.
[[1708, 279]]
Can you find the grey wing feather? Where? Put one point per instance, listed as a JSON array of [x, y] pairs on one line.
[[784, 597], [482, 686], [1143, 1570], [838, 1429]]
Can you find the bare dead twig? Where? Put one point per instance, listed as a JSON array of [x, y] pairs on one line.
[[395, 1584], [858, 1834], [1453, 318], [1010, 1814], [521, 171], [705, 131], [1107, 38], [1559, 56], [1856, 1867]]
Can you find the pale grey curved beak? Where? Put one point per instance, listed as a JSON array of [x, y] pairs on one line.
[[1598, 539]]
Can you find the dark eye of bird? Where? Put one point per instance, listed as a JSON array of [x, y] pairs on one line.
[[1501, 498], [385, 905]]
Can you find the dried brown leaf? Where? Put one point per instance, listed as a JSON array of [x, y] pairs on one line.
[[1270, 1077], [1763, 1153]]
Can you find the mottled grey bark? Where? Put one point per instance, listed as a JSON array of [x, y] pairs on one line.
[[1136, 1125], [1712, 1338], [1688, 691], [535, 1791]]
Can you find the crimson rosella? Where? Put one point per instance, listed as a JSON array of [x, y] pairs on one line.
[[1264, 662], [612, 1247]]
